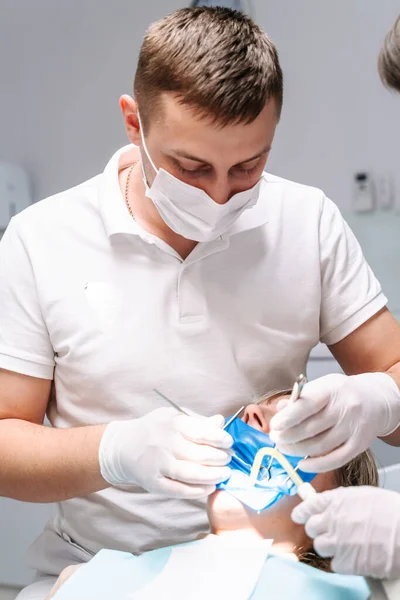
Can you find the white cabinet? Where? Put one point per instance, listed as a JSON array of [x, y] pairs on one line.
[[20, 524]]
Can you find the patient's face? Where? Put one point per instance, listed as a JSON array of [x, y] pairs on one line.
[[227, 514]]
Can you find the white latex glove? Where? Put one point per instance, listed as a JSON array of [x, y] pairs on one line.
[[338, 417], [358, 526], [167, 453]]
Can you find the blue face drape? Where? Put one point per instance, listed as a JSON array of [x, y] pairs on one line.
[[247, 441]]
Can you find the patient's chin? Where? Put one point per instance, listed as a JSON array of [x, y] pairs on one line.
[[224, 511], [227, 514]]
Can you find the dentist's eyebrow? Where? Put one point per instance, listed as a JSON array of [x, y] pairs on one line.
[[183, 154]]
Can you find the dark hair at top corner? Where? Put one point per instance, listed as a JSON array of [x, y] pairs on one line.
[[216, 60], [389, 58]]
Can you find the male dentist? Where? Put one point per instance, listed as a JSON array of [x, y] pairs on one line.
[[174, 269]]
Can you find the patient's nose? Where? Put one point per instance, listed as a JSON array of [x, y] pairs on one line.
[[256, 418]]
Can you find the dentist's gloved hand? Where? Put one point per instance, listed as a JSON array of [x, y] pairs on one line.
[[167, 453], [337, 417], [358, 526]]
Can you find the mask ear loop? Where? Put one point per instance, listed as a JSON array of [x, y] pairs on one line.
[[304, 489], [145, 145]]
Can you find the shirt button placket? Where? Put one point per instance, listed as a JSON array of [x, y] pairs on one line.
[[190, 292]]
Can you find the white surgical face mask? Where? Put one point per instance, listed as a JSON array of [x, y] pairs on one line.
[[189, 211]]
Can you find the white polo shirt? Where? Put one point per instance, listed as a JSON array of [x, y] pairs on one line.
[[110, 311]]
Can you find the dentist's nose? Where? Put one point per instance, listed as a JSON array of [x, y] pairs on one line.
[[220, 191]]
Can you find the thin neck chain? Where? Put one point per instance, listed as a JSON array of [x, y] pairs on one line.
[[127, 191]]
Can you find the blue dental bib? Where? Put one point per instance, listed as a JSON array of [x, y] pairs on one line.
[[247, 441]]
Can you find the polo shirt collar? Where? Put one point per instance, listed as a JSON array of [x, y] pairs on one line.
[[114, 212], [117, 219]]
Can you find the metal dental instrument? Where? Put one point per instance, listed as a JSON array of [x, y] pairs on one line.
[[181, 410], [295, 395], [301, 381], [185, 412], [235, 416], [298, 388]]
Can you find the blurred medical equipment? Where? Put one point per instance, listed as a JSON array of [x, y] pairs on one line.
[[364, 199], [14, 192]]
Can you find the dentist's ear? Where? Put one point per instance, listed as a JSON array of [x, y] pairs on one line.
[[129, 111]]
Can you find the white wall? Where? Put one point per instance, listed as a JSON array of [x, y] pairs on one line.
[[337, 116], [63, 66]]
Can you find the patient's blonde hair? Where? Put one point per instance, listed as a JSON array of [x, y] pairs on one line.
[[362, 470]]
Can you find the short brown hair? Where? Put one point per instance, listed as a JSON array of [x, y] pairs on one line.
[[215, 59], [389, 58]]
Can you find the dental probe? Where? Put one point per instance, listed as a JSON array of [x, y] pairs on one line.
[[184, 412], [235, 416], [181, 410], [299, 384], [297, 388], [295, 395]]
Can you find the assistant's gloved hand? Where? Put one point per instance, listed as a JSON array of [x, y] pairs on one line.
[[358, 526], [338, 417], [167, 453]]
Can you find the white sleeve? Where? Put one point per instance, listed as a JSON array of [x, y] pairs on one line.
[[351, 294], [24, 340]]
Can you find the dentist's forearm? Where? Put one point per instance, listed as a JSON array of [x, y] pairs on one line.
[[394, 438], [41, 464], [394, 372]]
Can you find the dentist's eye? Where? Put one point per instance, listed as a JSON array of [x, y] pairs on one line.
[[247, 171], [192, 172]]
